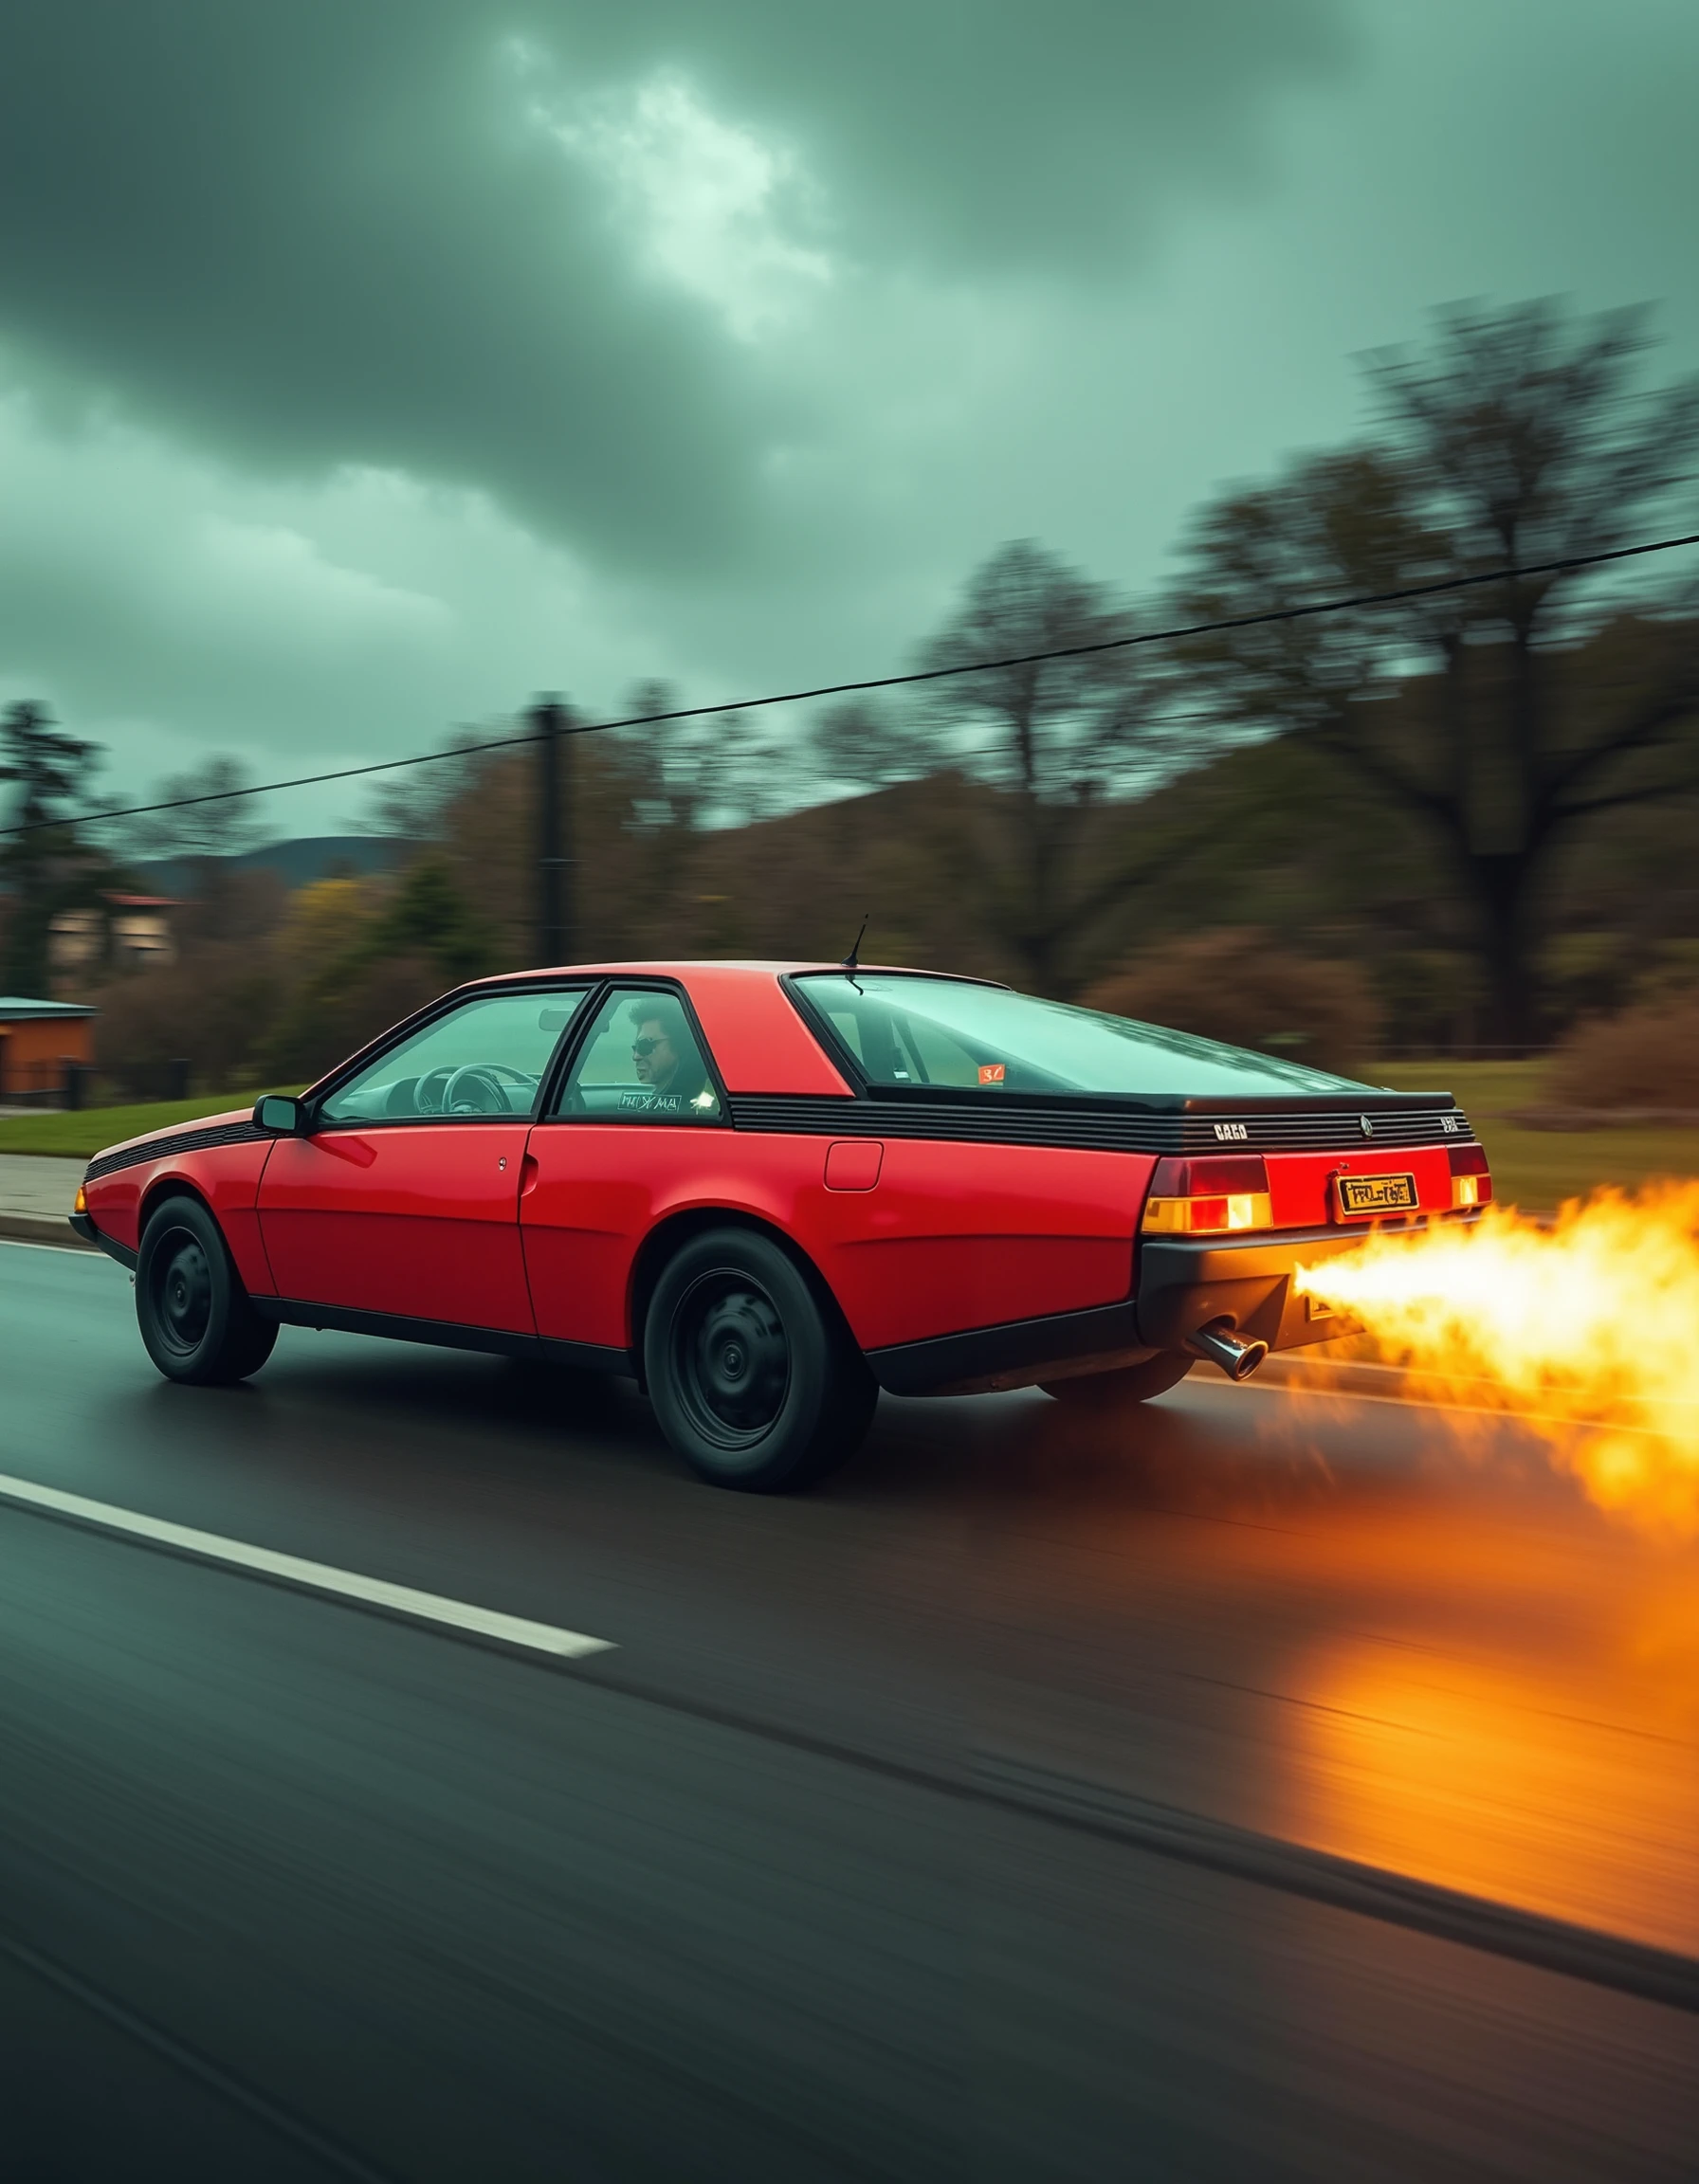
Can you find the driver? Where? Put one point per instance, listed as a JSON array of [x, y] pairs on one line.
[[663, 1054]]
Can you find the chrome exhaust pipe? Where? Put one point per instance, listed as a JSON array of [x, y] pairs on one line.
[[1237, 1360]]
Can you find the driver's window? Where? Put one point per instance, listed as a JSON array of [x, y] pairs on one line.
[[641, 1061], [487, 1057]]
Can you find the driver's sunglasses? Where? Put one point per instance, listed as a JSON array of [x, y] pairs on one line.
[[642, 1049]]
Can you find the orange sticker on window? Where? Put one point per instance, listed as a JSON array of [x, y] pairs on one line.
[[990, 1072]]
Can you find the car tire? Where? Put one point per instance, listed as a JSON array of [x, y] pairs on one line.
[[753, 1376], [194, 1315], [1130, 1384]]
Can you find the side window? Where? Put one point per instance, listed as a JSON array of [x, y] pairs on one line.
[[641, 1062], [487, 1057]]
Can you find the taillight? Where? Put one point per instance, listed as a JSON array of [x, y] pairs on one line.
[[1470, 1183], [1209, 1197]]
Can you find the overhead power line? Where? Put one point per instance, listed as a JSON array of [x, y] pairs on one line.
[[910, 677]]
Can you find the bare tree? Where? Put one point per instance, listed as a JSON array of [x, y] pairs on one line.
[[859, 743], [1520, 438], [1057, 736], [711, 770], [217, 815]]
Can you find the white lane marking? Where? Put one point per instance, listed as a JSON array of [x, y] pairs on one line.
[[311, 1576]]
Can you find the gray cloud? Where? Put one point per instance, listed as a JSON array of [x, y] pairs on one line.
[[413, 234], [366, 365]]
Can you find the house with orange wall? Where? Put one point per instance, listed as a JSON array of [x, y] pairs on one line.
[[37, 1039]]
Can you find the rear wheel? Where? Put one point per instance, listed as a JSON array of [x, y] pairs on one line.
[[194, 1315], [1130, 1384], [753, 1379]]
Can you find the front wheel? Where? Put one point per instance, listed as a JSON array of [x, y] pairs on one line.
[[194, 1315], [755, 1382]]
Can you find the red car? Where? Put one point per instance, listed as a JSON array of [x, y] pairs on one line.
[[769, 1190]]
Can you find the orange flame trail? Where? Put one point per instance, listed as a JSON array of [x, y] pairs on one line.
[[1588, 1328]]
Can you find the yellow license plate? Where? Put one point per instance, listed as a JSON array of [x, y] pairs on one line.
[[1358, 1196]]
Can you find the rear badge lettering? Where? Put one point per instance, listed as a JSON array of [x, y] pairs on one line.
[[1232, 1133]]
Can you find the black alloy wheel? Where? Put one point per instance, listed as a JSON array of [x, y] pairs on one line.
[[1128, 1385], [194, 1315], [182, 1289], [732, 1359], [754, 1378]]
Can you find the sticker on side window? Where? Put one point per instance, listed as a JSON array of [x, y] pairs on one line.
[[991, 1072]]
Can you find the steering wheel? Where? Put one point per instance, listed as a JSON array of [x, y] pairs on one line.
[[428, 1092], [477, 1088]]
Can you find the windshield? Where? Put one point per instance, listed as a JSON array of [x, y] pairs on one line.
[[907, 1030]]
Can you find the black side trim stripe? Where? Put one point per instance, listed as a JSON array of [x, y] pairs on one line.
[[994, 1121], [443, 1334], [201, 1140]]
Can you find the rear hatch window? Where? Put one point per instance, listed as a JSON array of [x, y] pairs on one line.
[[904, 1029]]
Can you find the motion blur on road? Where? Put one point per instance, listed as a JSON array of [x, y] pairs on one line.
[[1281, 1784]]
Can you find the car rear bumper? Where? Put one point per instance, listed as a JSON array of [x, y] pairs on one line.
[[1184, 1284]]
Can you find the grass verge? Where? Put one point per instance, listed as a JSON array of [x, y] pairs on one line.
[[1539, 1169], [80, 1135]]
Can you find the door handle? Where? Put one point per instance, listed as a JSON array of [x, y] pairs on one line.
[[528, 1173]]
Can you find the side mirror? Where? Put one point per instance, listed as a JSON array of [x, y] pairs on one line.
[[279, 1115]]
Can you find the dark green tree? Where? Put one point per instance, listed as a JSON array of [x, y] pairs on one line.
[[1520, 438], [40, 856]]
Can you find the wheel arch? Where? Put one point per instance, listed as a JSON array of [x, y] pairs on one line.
[[675, 1229], [172, 1186], [176, 1185]]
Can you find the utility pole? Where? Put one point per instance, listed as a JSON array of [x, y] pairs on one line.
[[557, 928]]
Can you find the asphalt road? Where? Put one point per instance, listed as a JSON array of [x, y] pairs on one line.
[[1285, 1788]]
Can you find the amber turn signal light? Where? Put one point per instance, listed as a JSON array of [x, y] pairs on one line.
[[1471, 1185], [82, 1201], [1214, 1196]]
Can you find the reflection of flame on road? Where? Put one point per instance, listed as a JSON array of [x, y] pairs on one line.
[[1589, 1329], [1502, 1777]]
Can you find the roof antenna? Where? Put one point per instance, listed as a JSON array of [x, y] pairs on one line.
[[851, 961]]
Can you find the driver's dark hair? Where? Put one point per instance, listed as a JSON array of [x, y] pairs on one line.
[[664, 1010]]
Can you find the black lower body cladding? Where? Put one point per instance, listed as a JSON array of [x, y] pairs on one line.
[[1187, 1282], [1184, 1284]]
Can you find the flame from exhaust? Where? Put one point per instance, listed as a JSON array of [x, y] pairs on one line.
[[1587, 1328]]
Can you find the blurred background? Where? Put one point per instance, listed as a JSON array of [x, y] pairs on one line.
[[480, 376]]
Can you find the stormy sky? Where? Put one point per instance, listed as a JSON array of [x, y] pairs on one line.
[[366, 365]]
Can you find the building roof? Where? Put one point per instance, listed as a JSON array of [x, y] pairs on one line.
[[14, 1009]]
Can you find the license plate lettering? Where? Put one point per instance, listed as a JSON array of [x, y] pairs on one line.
[[1358, 1196]]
